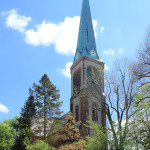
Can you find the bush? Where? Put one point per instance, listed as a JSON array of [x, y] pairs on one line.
[[74, 146], [40, 145], [98, 141]]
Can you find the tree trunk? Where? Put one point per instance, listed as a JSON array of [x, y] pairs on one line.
[[44, 119]]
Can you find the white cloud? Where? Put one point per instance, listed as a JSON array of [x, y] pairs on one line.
[[63, 35], [102, 29], [120, 51], [16, 21], [3, 108], [106, 67], [66, 71], [109, 52]]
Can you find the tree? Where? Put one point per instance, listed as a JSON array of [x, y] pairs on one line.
[[119, 86], [47, 102], [139, 126], [70, 132], [6, 136], [8, 133], [98, 141], [141, 67], [25, 122], [67, 134], [27, 115]]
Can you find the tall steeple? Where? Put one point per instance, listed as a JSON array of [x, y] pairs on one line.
[[86, 45], [86, 64]]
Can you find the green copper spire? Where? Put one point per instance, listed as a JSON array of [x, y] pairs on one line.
[[86, 45]]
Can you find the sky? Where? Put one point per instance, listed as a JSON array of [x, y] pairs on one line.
[[40, 36]]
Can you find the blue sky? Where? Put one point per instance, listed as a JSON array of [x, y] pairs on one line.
[[40, 36]]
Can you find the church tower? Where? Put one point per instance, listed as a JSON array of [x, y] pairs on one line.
[[87, 71]]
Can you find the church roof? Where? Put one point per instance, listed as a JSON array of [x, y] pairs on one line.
[[86, 45]]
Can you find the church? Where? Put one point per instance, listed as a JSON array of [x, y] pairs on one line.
[[87, 91]]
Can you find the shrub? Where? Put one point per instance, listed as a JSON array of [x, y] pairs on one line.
[[40, 145], [98, 141], [74, 146]]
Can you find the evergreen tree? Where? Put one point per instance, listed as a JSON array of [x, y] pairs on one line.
[[27, 114], [47, 102], [25, 122]]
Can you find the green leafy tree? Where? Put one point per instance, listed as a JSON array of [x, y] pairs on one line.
[[98, 141], [47, 102], [13, 123], [8, 133], [139, 129], [6, 136]]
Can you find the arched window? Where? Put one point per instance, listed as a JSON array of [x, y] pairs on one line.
[[77, 82], [91, 74], [88, 72], [77, 113], [94, 112]]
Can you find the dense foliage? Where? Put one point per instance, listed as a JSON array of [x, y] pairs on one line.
[[8, 133], [80, 145], [40, 145], [141, 119], [98, 140], [69, 133]]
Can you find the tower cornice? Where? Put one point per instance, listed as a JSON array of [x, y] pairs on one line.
[[83, 58]]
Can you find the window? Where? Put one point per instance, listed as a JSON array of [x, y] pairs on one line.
[[77, 113], [103, 116], [77, 82], [89, 72], [94, 112], [71, 107], [92, 72]]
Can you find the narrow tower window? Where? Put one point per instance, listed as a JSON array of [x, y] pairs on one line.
[[77, 113], [77, 82], [71, 107], [94, 112]]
